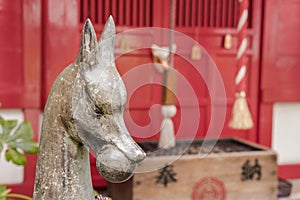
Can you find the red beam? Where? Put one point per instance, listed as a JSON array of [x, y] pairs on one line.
[[289, 171]]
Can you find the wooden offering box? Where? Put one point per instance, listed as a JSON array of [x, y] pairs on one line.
[[233, 170]]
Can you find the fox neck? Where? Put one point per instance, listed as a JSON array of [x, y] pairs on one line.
[[63, 168]]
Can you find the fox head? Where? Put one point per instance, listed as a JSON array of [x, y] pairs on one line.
[[98, 102]]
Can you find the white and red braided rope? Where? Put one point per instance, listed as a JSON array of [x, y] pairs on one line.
[[241, 116], [240, 79]]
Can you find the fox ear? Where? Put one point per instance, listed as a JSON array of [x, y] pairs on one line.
[[106, 42], [88, 41], [109, 30]]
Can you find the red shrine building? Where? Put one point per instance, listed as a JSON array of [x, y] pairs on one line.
[[38, 39]]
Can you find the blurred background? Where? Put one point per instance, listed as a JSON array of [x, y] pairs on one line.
[[40, 38]]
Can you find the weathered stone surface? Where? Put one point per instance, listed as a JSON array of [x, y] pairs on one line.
[[85, 111]]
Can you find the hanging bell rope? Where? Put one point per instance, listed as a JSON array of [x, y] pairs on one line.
[[241, 117], [167, 134]]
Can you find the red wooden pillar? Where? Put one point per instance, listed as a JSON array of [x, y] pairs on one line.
[[20, 54], [280, 72], [61, 39], [28, 95]]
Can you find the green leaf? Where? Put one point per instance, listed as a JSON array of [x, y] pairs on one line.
[[16, 157], [7, 127], [2, 188], [24, 131], [1, 120], [29, 147], [7, 156], [3, 192], [1, 147]]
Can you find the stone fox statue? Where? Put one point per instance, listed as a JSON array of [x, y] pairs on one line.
[[85, 111]]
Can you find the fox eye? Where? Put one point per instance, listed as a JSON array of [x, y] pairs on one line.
[[98, 111]]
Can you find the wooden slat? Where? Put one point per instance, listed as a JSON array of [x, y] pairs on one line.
[[218, 13], [224, 13], [235, 14], [205, 13], [210, 13], [97, 12], [93, 10], [194, 13], [147, 13], [141, 13], [250, 11], [121, 15], [223, 169], [138, 13], [180, 13], [85, 10], [127, 12], [80, 11], [187, 13], [230, 14], [106, 9], [100, 10], [200, 13], [114, 10], [134, 18]]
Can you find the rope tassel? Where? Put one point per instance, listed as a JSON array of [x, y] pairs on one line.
[[167, 137], [241, 117]]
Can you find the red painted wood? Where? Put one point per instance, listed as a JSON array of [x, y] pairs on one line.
[[141, 13], [230, 13], [20, 57], [281, 57], [100, 15], [187, 12], [93, 10], [85, 10], [114, 13], [205, 13], [289, 171], [127, 13], [265, 124], [180, 10], [288, 94], [235, 20], [107, 4], [193, 12], [20, 54], [147, 14], [157, 13], [134, 13], [200, 5], [212, 40], [11, 53], [211, 13], [218, 13], [32, 53], [280, 80], [121, 12], [61, 39]]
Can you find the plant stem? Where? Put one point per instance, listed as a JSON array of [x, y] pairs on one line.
[[20, 196]]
